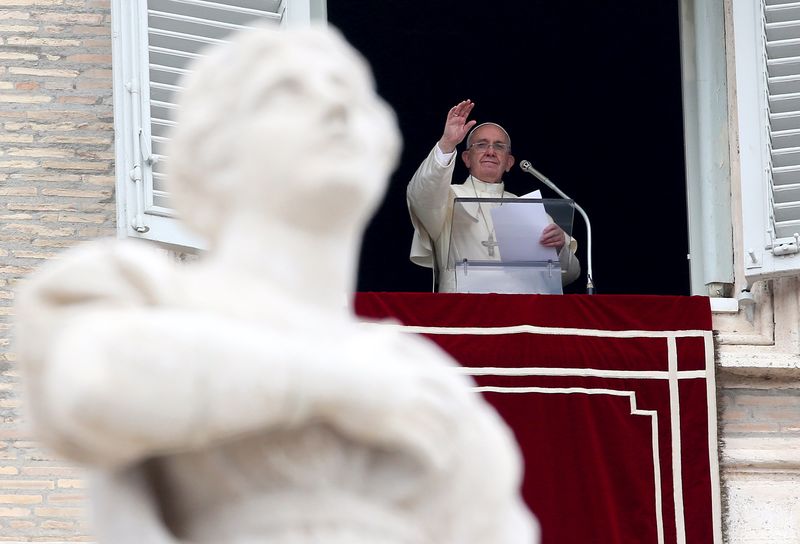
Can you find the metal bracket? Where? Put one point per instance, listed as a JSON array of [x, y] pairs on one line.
[[786, 246]]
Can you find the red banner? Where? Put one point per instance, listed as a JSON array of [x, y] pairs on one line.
[[612, 399]]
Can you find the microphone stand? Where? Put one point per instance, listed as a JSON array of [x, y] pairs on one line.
[[528, 167]]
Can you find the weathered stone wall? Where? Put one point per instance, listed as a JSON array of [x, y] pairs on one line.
[[56, 189], [760, 426]]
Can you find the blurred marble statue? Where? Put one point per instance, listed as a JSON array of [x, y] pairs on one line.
[[236, 399]]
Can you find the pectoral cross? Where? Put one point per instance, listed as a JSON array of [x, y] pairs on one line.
[[490, 243]]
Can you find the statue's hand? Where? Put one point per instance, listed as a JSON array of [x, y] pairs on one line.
[[398, 392]]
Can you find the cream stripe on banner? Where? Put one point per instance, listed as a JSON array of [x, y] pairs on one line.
[[713, 460], [532, 329], [580, 372], [675, 431]]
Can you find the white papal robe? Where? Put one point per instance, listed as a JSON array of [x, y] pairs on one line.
[[430, 196]]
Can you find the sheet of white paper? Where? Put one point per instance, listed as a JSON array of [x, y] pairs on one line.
[[518, 228]]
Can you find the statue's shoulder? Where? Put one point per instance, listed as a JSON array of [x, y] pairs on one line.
[[118, 271]]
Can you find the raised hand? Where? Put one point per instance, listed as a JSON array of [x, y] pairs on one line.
[[456, 126]]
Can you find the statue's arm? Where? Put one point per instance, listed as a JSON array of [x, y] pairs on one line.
[[120, 385], [116, 371], [152, 405]]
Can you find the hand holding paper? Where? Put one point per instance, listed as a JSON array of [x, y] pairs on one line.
[[553, 236], [519, 231]]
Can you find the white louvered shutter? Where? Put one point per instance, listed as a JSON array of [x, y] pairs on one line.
[[154, 43], [767, 46]]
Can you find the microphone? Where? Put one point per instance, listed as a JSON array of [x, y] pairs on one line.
[[528, 167]]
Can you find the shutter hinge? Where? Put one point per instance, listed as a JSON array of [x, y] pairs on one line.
[[786, 246], [137, 222]]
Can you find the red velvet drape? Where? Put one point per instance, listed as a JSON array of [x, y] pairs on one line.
[[596, 382]]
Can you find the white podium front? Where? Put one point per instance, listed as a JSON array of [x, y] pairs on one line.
[[476, 262]]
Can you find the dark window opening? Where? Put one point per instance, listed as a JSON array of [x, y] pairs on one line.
[[591, 95]]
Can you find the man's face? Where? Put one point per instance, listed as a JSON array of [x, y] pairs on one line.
[[488, 164]]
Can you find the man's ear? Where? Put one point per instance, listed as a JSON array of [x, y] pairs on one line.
[[509, 162], [465, 158]]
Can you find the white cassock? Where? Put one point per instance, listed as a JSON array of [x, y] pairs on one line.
[[430, 198]]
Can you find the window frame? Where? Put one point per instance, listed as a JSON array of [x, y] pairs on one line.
[[712, 258], [137, 214], [761, 247]]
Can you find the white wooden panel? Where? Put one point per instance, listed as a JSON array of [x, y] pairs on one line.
[[155, 42], [767, 46]]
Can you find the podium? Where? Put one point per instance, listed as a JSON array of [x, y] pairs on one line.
[[494, 250]]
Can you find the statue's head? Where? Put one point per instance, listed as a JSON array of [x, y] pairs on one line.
[[285, 125]]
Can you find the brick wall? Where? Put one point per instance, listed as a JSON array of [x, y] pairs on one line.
[[56, 188], [754, 407], [760, 426]]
